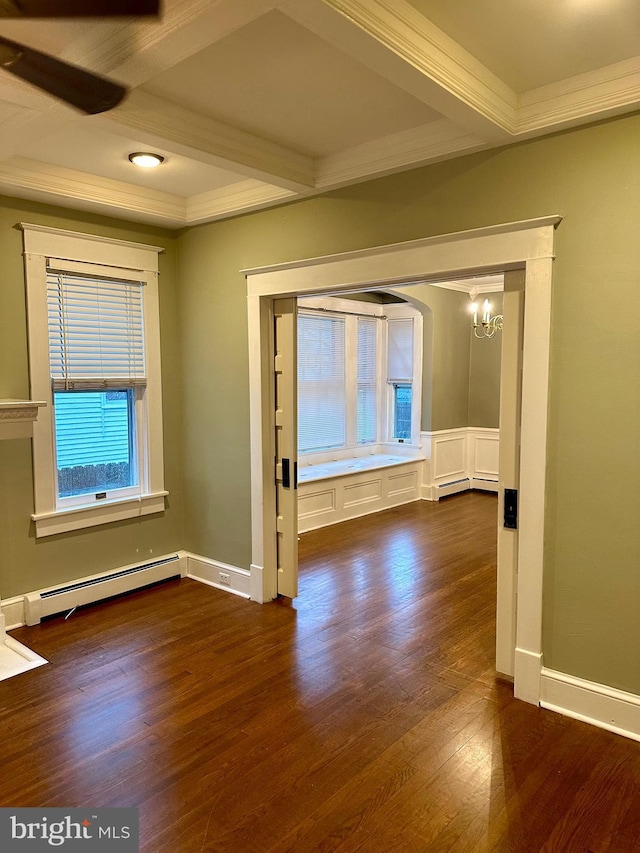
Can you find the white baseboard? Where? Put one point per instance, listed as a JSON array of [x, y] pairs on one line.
[[527, 667], [29, 608], [605, 707], [484, 485], [13, 612], [219, 575], [447, 489]]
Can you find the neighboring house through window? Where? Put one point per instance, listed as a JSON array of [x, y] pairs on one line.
[[95, 358]]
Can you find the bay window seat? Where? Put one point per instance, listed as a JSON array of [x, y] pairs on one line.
[[330, 491]]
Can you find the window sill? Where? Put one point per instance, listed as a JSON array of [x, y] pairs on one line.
[[76, 518]]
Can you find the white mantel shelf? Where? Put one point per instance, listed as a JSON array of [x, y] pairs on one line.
[[17, 417]]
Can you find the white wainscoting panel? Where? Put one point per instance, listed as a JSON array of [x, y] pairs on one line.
[[459, 459], [590, 702], [450, 456], [348, 495]]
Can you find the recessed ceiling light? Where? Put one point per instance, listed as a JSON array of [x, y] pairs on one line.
[[146, 159]]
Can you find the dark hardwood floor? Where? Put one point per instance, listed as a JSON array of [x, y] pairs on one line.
[[366, 716]]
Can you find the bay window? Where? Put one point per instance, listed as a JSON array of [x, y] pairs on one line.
[[357, 366]]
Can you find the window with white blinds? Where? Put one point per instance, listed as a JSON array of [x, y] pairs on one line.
[[367, 379], [400, 358], [96, 332], [355, 376], [321, 382], [94, 358], [399, 350]]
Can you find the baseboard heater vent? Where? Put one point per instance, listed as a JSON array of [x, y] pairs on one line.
[[48, 602]]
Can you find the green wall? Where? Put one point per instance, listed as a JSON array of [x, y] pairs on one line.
[[484, 373], [591, 177], [28, 564], [446, 352]]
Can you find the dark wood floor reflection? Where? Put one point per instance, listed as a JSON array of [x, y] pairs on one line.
[[366, 716]]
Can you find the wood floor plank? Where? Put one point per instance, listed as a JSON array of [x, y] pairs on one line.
[[364, 717]]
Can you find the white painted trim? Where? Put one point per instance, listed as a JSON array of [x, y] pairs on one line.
[[202, 138], [59, 185], [128, 260], [466, 473], [602, 93], [507, 245], [602, 706], [526, 676], [64, 520], [13, 612], [484, 485], [17, 417], [473, 286], [349, 494], [392, 38], [256, 584], [16, 658], [219, 575], [239, 197], [408, 149], [527, 244], [80, 247], [85, 590]]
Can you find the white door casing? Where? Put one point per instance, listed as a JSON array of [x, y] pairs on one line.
[[526, 245]]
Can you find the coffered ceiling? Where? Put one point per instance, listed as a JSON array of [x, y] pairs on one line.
[[255, 102]]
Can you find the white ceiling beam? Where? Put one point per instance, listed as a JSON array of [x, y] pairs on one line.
[[605, 92], [69, 188], [408, 149], [393, 39], [157, 122], [232, 200]]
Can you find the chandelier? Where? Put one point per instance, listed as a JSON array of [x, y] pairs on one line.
[[488, 326]]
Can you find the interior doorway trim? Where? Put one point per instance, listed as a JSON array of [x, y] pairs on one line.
[[524, 245]]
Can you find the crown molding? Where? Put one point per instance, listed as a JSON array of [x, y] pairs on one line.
[[472, 286], [598, 94], [54, 184], [395, 40], [232, 200], [199, 137], [408, 149]]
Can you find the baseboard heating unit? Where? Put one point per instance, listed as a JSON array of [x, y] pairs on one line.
[[88, 590]]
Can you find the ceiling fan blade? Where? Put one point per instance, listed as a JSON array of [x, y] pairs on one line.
[[77, 8], [88, 92]]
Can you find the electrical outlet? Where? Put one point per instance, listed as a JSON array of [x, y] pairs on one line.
[[224, 577]]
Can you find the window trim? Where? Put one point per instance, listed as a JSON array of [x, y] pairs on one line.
[[97, 255]]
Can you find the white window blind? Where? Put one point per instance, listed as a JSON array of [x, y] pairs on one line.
[[400, 350], [96, 332], [367, 411], [321, 382]]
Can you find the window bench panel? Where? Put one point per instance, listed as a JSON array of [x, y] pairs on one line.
[[330, 492]]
